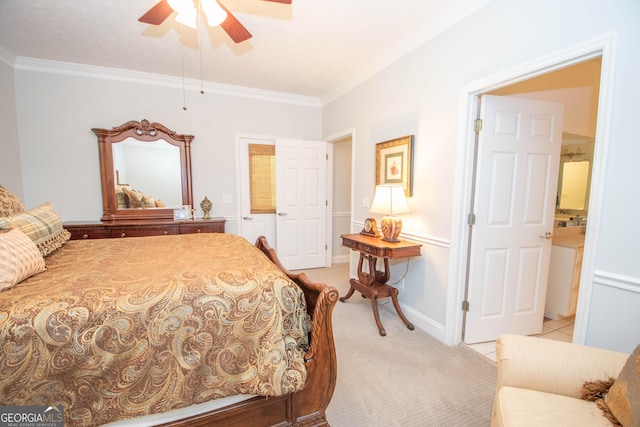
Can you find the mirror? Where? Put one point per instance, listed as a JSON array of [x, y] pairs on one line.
[[573, 186], [149, 169], [574, 177], [145, 170]]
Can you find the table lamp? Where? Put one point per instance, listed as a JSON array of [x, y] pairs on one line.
[[389, 200]]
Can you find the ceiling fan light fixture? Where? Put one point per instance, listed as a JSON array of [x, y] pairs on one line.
[[186, 12], [215, 14]]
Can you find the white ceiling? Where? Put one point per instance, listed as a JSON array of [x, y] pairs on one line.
[[313, 48]]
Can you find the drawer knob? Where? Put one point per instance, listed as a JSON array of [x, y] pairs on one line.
[[85, 236], [165, 232], [198, 231], [123, 235]]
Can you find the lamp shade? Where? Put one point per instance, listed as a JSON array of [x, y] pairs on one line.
[[389, 200]]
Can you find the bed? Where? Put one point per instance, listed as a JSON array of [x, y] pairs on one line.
[[158, 328]]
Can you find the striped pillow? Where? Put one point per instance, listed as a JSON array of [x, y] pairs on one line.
[[19, 258], [42, 224]]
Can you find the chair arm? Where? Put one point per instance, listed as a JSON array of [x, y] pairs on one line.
[[553, 366]]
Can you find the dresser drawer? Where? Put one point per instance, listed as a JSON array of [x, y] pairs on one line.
[[143, 228], [80, 232], [202, 227], [146, 230]]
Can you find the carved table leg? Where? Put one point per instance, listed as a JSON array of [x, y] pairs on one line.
[[396, 304], [376, 315], [348, 295], [374, 292], [351, 286], [373, 285]]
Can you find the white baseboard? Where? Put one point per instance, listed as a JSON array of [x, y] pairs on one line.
[[339, 259], [419, 320]]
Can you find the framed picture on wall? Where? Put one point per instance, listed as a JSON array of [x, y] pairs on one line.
[[394, 163]]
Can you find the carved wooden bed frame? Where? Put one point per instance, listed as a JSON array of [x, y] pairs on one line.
[[307, 406]]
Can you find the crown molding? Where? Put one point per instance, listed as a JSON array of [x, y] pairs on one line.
[[81, 70]]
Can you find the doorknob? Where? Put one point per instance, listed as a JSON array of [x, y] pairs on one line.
[[547, 235], [248, 218], [282, 213]]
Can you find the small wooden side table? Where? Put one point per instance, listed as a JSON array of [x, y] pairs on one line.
[[373, 284]]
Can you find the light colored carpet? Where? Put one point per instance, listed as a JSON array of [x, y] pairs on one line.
[[407, 378]]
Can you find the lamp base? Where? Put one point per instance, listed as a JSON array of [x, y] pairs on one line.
[[391, 228]]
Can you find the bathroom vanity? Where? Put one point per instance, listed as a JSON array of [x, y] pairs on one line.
[[564, 272]]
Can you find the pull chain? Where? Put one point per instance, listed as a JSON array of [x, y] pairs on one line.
[[184, 91], [200, 25]]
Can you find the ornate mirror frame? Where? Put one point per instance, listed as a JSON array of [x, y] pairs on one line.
[[148, 132]]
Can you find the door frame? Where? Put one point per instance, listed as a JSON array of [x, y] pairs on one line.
[[331, 140], [603, 47]]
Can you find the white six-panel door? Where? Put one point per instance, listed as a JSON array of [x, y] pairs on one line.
[[301, 203], [514, 199]]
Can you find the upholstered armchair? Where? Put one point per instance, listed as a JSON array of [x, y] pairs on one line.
[[541, 382]]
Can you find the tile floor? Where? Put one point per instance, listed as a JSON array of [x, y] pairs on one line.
[[559, 330]]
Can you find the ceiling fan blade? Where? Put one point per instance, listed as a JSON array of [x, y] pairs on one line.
[[280, 1], [157, 14], [234, 28]]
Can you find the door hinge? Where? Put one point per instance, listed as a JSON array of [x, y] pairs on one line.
[[477, 125], [465, 306], [471, 220], [326, 202], [326, 156]]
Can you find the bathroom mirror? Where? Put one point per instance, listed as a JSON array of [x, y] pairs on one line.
[[145, 169], [573, 185], [574, 179]]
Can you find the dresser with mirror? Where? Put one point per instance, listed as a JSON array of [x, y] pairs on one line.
[[145, 172]]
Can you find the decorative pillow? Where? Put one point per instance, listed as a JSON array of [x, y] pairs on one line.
[[159, 204], [42, 224], [623, 398], [19, 258], [121, 199], [10, 204], [148, 202], [134, 198]]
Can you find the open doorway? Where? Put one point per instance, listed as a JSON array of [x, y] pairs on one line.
[[601, 47], [512, 286], [577, 88], [340, 149]]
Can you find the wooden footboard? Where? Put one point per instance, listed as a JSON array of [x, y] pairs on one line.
[[310, 403], [305, 408]]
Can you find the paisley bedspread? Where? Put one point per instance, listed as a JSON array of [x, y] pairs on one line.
[[119, 328]]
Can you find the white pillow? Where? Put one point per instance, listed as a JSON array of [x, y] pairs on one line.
[[20, 258]]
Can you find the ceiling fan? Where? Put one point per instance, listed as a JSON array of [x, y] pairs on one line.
[[216, 13]]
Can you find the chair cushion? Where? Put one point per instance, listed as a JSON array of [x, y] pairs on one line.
[[522, 407]]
